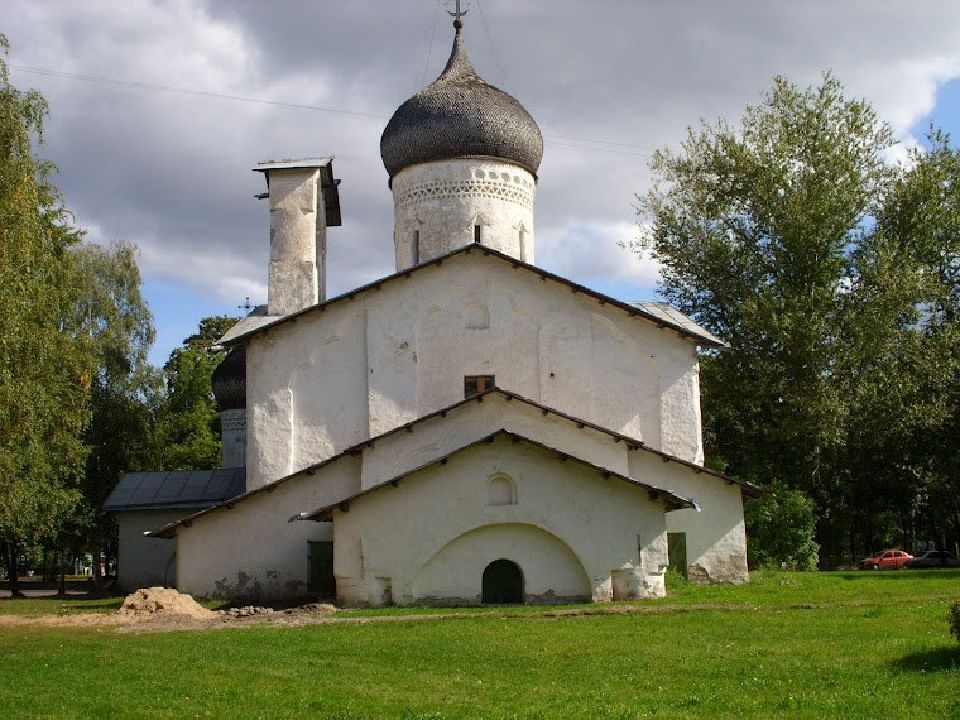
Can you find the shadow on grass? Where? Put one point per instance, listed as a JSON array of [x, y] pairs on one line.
[[942, 659], [908, 575]]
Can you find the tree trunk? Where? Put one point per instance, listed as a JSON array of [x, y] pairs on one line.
[[13, 571], [62, 589]]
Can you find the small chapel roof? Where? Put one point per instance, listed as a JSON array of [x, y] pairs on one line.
[[460, 115], [672, 500], [168, 489], [674, 320]]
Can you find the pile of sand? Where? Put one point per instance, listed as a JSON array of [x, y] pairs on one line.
[[158, 601]]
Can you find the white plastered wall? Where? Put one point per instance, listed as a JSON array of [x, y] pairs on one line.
[[716, 541], [438, 204], [147, 561], [569, 530], [361, 367], [252, 550]]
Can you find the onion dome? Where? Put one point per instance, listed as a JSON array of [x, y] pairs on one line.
[[230, 381], [459, 115]]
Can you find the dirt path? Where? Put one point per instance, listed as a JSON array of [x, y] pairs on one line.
[[298, 616]]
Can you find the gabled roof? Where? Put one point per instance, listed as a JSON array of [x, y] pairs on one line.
[[674, 502], [163, 490], [747, 488], [685, 327]]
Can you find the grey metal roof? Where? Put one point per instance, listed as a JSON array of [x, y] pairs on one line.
[[244, 325], [157, 490], [460, 115], [672, 316]]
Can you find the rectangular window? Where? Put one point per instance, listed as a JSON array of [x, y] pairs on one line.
[[476, 384], [476, 233], [415, 247], [523, 246]]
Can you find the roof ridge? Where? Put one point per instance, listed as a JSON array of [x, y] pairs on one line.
[[707, 341], [679, 501], [357, 448]]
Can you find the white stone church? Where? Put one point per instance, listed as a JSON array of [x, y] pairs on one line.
[[470, 429]]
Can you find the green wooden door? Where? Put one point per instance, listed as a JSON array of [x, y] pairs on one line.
[[320, 569], [677, 552]]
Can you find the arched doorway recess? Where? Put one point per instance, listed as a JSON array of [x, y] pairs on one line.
[[502, 583]]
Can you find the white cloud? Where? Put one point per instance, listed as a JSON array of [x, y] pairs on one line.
[[171, 172]]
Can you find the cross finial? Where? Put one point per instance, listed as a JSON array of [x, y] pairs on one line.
[[246, 305], [456, 15]]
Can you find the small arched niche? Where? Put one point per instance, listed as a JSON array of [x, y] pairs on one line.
[[476, 316], [501, 490]]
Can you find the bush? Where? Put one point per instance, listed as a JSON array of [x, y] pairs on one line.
[[780, 530], [955, 619]]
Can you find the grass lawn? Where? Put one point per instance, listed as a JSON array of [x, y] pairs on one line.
[[818, 645]]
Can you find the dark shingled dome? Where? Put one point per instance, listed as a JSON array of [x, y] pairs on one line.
[[230, 381], [460, 115]]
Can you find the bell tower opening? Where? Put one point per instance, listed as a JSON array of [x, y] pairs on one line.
[[502, 583]]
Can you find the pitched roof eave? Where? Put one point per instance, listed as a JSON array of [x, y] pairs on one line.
[[748, 489], [674, 501], [702, 338]]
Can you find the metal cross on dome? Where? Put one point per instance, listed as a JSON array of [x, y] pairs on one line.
[[457, 14]]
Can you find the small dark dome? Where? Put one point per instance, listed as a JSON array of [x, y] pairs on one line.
[[460, 115], [230, 381]]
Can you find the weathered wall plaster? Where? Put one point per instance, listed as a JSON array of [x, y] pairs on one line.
[[437, 206], [146, 561], [297, 240], [253, 551], [716, 541], [359, 368], [569, 530]]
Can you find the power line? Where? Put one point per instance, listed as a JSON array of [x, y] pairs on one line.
[[426, 65], [493, 47], [187, 91], [584, 142]]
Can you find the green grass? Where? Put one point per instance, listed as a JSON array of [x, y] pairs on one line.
[[827, 645], [35, 607], [58, 605]]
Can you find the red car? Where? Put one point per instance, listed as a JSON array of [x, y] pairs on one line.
[[886, 560]]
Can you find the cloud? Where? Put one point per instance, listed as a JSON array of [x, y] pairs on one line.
[[607, 81]]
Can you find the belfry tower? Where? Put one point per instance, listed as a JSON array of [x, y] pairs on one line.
[[462, 157]]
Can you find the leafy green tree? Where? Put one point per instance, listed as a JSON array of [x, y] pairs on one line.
[[780, 530], [920, 224], [833, 275], [45, 372], [188, 425], [753, 228], [112, 314]]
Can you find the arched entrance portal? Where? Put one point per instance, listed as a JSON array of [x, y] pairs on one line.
[[502, 583]]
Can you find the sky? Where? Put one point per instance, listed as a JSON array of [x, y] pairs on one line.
[[151, 152]]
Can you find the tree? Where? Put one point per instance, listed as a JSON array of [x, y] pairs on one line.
[[921, 222], [758, 231], [188, 425], [780, 527], [111, 313], [45, 373]]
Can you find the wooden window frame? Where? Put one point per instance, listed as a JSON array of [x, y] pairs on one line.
[[475, 384]]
